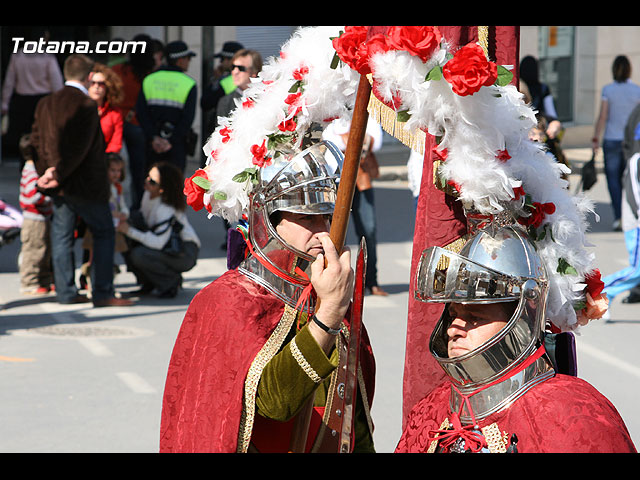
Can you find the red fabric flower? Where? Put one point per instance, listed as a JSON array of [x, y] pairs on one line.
[[293, 100], [288, 125], [259, 153], [193, 192], [469, 70], [420, 41], [538, 212], [594, 284], [351, 50], [248, 103], [226, 134], [518, 192], [503, 155], [440, 154], [299, 73]]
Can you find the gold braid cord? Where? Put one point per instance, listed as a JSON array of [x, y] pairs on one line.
[[270, 348]]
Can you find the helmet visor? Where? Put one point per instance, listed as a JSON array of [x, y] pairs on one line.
[[443, 276]]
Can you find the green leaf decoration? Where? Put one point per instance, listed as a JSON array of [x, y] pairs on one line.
[[579, 306], [434, 74], [202, 182], [247, 174], [335, 61], [504, 76], [403, 116], [219, 195], [564, 268]]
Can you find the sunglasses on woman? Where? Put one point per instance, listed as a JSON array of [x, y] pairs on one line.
[[151, 181], [242, 68]]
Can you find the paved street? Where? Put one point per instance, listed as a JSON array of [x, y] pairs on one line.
[[78, 379]]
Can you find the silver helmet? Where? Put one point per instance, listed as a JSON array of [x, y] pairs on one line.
[[495, 265], [304, 182]]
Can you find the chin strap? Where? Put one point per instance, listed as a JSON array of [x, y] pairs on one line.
[[471, 434]]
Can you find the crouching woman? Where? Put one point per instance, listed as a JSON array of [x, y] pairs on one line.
[[154, 257]]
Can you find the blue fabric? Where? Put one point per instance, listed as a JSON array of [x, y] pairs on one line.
[[614, 165], [628, 277]]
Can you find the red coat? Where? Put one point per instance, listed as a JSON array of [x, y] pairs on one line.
[[226, 325], [111, 124], [561, 415]]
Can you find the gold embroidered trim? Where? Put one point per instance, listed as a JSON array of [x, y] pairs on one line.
[[496, 441], [304, 365], [266, 353]]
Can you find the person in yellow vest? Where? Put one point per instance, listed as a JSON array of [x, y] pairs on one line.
[[166, 107]]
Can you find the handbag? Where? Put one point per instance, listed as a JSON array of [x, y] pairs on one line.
[[174, 246], [589, 175]]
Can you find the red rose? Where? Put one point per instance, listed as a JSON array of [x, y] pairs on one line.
[[259, 153], [469, 70], [420, 41], [594, 284], [349, 45], [375, 44], [293, 100], [288, 125], [503, 155], [538, 212], [299, 73], [226, 134], [518, 192], [194, 192]]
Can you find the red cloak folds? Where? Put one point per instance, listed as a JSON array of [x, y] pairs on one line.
[[226, 325], [439, 222], [561, 415]]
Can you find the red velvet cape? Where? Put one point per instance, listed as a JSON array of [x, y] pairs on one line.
[[564, 414], [225, 326]]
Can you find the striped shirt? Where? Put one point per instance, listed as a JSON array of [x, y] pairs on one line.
[[33, 203]]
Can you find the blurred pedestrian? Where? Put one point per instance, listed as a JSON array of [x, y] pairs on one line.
[[163, 206], [618, 99], [166, 107], [36, 273], [363, 209], [246, 64], [105, 88], [29, 77], [140, 63], [119, 212], [70, 161]]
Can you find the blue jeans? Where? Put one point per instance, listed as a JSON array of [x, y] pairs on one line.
[[614, 165], [364, 220], [98, 219]]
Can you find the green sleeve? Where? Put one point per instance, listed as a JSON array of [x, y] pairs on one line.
[[285, 387]]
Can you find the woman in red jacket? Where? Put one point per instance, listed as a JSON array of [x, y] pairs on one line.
[[106, 90]]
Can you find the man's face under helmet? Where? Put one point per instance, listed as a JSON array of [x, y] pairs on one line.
[[303, 183]]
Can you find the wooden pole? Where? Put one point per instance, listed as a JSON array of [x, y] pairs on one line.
[[339, 223]]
